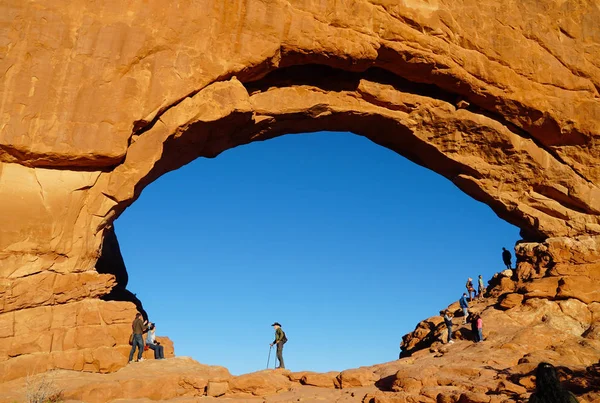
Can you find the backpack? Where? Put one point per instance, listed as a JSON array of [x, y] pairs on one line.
[[284, 338]]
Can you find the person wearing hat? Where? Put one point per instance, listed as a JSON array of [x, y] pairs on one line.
[[159, 351], [280, 340]]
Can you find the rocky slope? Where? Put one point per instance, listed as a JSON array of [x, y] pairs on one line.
[[527, 317], [520, 330]]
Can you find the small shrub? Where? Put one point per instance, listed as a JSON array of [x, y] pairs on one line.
[[42, 389]]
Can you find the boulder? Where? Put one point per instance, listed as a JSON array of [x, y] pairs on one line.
[[510, 300], [216, 389], [353, 378], [262, 383], [326, 380]]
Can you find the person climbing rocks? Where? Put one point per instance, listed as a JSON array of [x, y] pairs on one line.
[[480, 288], [280, 340], [473, 321], [139, 327], [464, 304], [470, 288], [479, 327], [548, 388], [507, 257], [159, 351], [448, 321]]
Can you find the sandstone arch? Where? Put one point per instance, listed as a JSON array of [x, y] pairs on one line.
[[100, 99]]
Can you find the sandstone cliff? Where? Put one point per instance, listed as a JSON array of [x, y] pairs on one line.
[[98, 99]]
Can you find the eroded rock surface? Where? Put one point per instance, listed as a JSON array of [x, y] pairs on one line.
[[512, 117], [98, 99], [500, 369]]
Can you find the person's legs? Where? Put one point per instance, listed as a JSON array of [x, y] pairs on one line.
[[465, 314], [137, 339], [280, 354], [133, 344], [449, 334], [154, 348], [480, 334], [161, 352]]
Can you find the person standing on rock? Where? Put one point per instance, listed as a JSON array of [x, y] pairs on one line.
[[464, 304], [470, 288], [480, 288], [138, 341], [479, 327], [448, 322], [548, 388], [507, 257], [280, 340], [159, 351]]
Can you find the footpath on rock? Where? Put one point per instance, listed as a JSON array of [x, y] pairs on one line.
[[518, 335]]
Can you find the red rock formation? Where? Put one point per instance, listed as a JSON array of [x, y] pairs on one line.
[[500, 369], [99, 99]]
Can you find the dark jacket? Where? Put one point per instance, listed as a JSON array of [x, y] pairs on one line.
[[463, 302], [279, 336]]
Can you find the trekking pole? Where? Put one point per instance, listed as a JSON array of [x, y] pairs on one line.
[[269, 358]]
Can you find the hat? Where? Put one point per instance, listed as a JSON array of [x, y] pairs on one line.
[[276, 324]]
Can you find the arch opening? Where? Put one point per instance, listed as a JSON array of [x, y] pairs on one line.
[[353, 292], [482, 153]]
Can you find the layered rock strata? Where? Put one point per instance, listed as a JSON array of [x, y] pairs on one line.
[[99, 99]]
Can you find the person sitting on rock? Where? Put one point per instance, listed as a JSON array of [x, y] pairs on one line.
[[470, 288], [448, 321], [480, 288], [280, 340], [139, 328], [159, 351], [464, 304], [506, 258], [548, 388]]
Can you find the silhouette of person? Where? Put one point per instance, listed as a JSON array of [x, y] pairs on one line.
[[507, 257], [548, 388], [473, 321]]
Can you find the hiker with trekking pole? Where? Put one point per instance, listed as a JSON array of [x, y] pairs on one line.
[[280, 340]]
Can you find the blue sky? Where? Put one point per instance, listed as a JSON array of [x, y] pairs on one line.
[[346, 243]]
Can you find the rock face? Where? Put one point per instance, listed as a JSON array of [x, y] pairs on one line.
[[99, 99], [498, 370]]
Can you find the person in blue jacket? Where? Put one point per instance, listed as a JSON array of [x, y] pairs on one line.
[[464, 304]]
